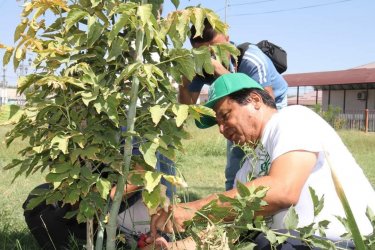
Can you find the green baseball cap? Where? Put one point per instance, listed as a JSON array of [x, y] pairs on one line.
[[222, 87]]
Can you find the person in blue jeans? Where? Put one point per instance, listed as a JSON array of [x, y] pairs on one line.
[[255, 64]]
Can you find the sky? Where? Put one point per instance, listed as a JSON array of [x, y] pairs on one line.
[[318, 35]]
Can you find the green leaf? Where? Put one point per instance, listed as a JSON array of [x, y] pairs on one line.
[[242, 190], [74, 15], [148, 151], [144, 12], [62, 167], [202, 60], [176, 3], [104, 186], [323, 244], [152, 179], [14, 163], [95, 3], [157, 113], [291, 219], [120, 24], [95, 29], [181, 111], [72, 196], [34, 202], [152, 199], [56, 177], [271, 236], [221, 51], [20, 29], [118, 46], [198, 16], [127, 72], [62, 142], [357, 238], [7, 55], [318, 203], [10, 114]]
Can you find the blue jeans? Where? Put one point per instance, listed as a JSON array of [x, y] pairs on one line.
[[235, 155], [166, 166]]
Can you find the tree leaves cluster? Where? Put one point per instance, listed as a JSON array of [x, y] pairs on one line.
[[76, 118], [76, 115]]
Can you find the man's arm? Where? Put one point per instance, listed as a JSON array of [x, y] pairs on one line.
[[185, 96], [129, 189], [287, 176]]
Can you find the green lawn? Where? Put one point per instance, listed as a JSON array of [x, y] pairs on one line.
[[202, 164]]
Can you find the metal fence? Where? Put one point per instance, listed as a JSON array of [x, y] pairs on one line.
[[358, 120]]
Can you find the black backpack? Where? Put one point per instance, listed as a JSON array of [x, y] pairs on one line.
[[274, 52]]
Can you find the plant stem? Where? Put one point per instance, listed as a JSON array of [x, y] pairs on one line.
[[128, 147], [100, 233]]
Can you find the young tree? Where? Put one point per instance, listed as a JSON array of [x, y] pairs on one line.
[[103, 80]]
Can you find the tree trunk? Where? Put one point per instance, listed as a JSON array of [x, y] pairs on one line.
[[128, 148]]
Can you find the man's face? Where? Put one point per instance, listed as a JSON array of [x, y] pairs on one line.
[[219, 38], [240, 124]]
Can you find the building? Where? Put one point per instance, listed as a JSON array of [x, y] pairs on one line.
[[350, 90], [9, 95]]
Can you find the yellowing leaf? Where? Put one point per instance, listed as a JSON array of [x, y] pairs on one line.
[[20, 29], [7, 55], [148, 150], [157, 113], [104, 186], [62, 142], [144, 12], [152, 179], [181, 112]]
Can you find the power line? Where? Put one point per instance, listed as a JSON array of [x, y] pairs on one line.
[[250, 3], [239, 4], [290, 9]]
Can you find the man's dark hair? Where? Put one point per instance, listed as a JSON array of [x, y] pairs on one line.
[[241, 97], [207, 35]]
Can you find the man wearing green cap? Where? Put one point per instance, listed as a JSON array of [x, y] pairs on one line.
[[303, 151]]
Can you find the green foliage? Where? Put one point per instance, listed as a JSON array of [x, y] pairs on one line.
[[100, 67], [331, 115]]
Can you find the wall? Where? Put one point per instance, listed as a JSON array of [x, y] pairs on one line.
[[351, 103]]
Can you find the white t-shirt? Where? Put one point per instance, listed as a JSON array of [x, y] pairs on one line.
[[299, 128]]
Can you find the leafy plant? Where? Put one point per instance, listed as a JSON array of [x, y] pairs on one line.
[[102, 84], [103, 81]]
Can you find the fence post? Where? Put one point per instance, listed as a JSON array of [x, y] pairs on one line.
[[366, 120]]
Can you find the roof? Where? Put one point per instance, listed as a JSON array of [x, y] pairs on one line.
[[307, 99], [367, 66], [358, 78]]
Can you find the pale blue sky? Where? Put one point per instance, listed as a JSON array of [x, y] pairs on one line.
[[318, 35]]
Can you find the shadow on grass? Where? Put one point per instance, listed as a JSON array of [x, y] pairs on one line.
[[17, 240]]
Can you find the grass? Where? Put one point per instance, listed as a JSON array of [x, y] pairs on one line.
[[202, 164]]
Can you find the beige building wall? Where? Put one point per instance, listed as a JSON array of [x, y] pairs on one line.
[[354, 99]]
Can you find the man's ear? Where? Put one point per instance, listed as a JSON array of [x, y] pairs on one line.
[[256, 99]]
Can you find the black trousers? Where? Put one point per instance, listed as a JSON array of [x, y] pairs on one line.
[[49, 227]]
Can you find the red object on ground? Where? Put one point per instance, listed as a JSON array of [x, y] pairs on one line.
[[142, 240]]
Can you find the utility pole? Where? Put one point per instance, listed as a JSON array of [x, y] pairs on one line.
[[4, 89]]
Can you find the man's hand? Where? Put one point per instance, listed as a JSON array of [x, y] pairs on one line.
[[171, 221], [219, 69]]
